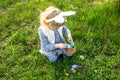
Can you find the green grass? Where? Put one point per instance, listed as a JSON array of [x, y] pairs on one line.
[[95, 30]]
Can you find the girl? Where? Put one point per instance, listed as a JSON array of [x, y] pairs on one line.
[[51, 33]]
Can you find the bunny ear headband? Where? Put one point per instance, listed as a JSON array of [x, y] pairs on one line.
[[60, 17]]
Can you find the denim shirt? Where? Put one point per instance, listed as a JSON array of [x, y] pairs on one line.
[[49, 48]]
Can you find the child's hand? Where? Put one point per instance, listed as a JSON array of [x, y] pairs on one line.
[[70, 38], [60, 45]]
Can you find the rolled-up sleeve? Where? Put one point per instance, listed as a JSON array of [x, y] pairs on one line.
[[45, 44], [66, 30]]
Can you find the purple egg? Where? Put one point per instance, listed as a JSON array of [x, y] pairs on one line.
[[74, 66]]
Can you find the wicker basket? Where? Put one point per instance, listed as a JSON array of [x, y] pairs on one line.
[[71, 51]]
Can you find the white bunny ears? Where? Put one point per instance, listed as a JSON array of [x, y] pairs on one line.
[[60, 17]]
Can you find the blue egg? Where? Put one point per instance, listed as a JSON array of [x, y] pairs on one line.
[[68, 46]]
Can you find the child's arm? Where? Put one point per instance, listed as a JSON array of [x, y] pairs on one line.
[[68, 33], [66, 30], [60, 45]]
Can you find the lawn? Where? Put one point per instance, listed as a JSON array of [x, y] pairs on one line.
[[95, 29]]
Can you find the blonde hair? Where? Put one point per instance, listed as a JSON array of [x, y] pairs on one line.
[[50, 12]]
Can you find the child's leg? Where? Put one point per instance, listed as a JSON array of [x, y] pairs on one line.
[[54, 58], [51, 56]]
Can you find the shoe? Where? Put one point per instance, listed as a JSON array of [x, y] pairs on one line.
[[60, 58]]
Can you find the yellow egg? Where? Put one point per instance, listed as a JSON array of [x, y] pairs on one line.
[[73, 70], [82, 57]]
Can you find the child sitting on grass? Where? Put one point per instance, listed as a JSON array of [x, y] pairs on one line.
[[51, 30]]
